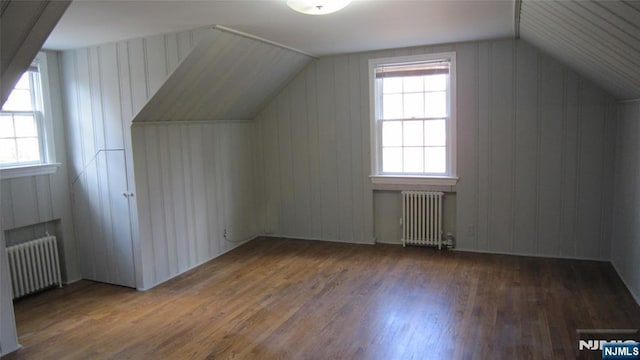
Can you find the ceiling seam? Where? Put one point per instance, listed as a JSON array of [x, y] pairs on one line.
[[257, 38]]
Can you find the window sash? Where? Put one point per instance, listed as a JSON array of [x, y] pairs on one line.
[[380, 147], [36, 105], [37, 116], [383, 71]]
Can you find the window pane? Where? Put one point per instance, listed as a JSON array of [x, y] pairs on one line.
[[413, 160], [392, 133], [28, 149], [435, 160], [412, 133], [413, 84], [392, 159], [26, 126], [435, 82], [392, 106], [435, 133], [392, 85], [436, 104], [23, 82], [8, 152], [19, 100], [413, 106], [6, 126]]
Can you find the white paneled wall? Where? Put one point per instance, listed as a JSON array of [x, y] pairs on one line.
[[105, 87], [535, 153], [315, 152], [193, 181], [8, 333], [535, 150], [625, 244], [31, 200]]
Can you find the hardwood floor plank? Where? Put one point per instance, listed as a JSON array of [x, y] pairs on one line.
[[292, 299]]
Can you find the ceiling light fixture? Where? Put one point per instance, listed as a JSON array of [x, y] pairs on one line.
[[317, 7]]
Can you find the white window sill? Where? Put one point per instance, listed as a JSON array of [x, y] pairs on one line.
[[397, 182], [28, 170]]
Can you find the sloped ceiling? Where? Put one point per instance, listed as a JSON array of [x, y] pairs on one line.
[[227, 76], [363, 25], [24, 27], [600, 39]]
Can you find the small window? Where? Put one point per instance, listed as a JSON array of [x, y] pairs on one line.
[[24, 127], [413, 100]]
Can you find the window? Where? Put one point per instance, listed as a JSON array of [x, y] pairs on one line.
[[25, 147], [413, 110]]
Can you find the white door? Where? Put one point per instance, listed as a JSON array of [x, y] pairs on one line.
[[102, 220]]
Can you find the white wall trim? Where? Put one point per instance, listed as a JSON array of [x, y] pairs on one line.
[[306, 238], [266, 41], [413, 180], [28, 170], [635, 296], [238, 244], [547, 256]]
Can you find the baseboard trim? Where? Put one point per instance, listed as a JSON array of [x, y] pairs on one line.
[[293, 237], [11, 351], [69, 282], [635, 296], [547, 256], [388, 242], [238, 243]]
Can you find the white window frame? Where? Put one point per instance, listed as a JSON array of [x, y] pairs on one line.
[[377, 176], [48, 164]]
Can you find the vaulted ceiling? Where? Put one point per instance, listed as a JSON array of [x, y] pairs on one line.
[[227, 76], [363, 25], [600, 39], [24, 26]]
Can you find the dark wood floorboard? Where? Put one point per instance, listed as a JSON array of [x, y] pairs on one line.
[[293, 299]]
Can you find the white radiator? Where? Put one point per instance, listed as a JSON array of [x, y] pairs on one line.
[[422, 218], [34, 266]]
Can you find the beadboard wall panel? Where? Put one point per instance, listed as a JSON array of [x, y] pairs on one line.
[[32, 202], [227, 76], [107, 85], [534, 148], [600, 39], [195, 183], [625, 245], [104, 88], [8, 331], [311, 138]]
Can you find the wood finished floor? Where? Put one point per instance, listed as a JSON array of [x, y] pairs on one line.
[[293, 299]]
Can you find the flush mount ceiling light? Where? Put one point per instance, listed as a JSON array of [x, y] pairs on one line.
[[317, 7]]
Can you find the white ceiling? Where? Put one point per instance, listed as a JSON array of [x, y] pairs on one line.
[[363, 25]]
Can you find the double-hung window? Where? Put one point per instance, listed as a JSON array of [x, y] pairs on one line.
[[23, 129], [413, 110]]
